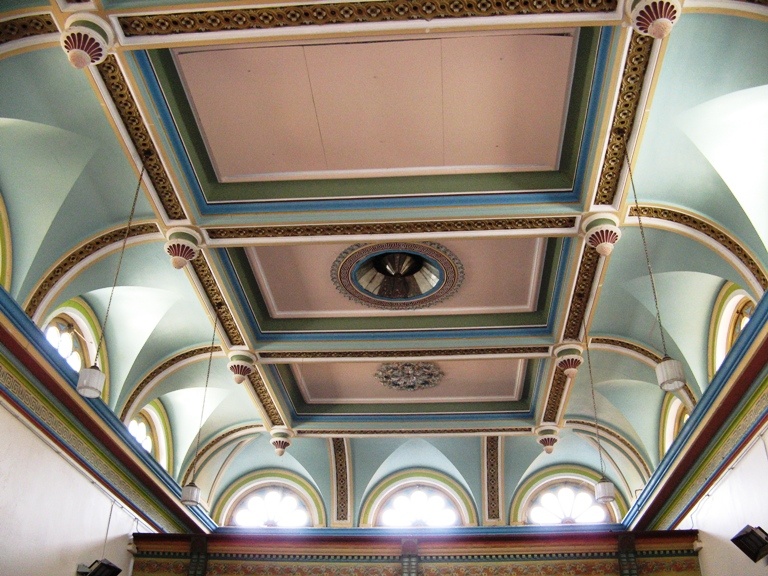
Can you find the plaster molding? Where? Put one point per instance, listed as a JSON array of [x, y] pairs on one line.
[[216, 443], [26, 27], [341, 484], [493, 481], [640, 463], [209, 285], [434, 353], [268, 406], [350, 432]]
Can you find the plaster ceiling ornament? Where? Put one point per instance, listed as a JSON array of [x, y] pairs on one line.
[[397, 275], [409, 376], [183, 246], [281, 438], [602, 232], [86, 39], [568, 358], [654, 18], [547, 436], [241, 364]]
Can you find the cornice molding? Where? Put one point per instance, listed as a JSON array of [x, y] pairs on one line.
[[291, 356]]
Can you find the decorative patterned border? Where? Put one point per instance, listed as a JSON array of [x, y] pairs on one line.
[[346, 13], [699, 225], [216, 298], [413, 431], [492, 485], [581, 292], [304, 355], [27, 26], [555, 398], [633, 78], [93, 458], [260, 389], [78, 255], [607, 432], [118, 90], [410, 227], [203, 350], [210, 445], [340, 480]]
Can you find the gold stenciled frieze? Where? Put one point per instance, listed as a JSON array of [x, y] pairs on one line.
[[633, 78], [609, 433], [304, 355], [555, 398], [584, 281], [346, 13], [26, 27], [216, 298], [412, 431], [341, 478], [79, 254], [410, 227], [202, 351], [117, 87], [492, 488], [210, 445], [266, 400], [718, 235]]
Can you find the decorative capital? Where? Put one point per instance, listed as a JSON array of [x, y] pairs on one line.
[[242, 363], [409, 376], [183, 246], [281, 438], [547, 436], [86, 39], [602, 231], [568, 357], [654, 18]]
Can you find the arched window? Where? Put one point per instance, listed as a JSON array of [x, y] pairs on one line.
[[732, 311], [141, 429], [674, 414], [271, 506], [150, 428], [64, 337], [567, 503]]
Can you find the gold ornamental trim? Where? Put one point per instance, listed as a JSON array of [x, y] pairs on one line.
[[346, 13], [26, 27], [133, 121], [717, 234], [492, 489], [633, 78], [411, 227], [201, 351], [412, 431], [260, 389], [608, 432], [79, 254], [216, 299], [341, 479], [288, 356], [215, 442], [584, 281], [556, 394]]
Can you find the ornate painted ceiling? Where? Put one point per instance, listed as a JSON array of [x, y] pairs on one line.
[[289, 151]]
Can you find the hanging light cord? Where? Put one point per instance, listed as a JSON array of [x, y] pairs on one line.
[[647, 257], [119, 264], [109, 521], [202, 408], [594, 403]]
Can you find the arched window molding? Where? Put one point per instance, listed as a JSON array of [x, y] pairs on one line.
[[529, 491], [729, 315], [6, 253], [158, 429], [223, 510], [376, 501], [674, 414]]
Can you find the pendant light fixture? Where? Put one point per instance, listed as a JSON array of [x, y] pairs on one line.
[[605, 491], [669, 372], [90, 381], [190, 493]]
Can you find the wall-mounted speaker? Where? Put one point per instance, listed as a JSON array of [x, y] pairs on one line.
[[753, 542], [101, 567]]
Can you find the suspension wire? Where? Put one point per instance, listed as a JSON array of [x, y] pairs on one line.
[[594, 403], [647, 257], [119, 265], [109, 521], [205, 392]]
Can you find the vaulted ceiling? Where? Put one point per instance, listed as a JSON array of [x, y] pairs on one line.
[[296, 143]]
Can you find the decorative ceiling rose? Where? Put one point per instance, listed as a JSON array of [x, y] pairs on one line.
[[409, 376], [183, 246], [655, 18], [547, 436], [397, 275], [86, 39], [602, 232]]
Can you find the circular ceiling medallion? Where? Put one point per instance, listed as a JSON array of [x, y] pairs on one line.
[[409, 376], [397, 275]]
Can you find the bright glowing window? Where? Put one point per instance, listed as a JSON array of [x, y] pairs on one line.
[[141, 429], [61, 334], [418, 506], [271, 506], [733, 310], [675, 415], [567, 504]]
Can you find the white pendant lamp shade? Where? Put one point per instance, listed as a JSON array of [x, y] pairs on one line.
[[670, 374], [190, 495], [90, 382], [605, 491]]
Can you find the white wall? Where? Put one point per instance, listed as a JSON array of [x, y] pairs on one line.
[[53, 517], [739, 498]]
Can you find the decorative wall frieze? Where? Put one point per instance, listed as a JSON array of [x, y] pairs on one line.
[[717, 234], [202, 351], [126, 106], [216, 298], [556, 396], [262, 393], [79, 254], [345, 13], [492, 480], [624, 115], [585, 278], [27, 27], [563, 223], [291, 356], [227, 436], [351, 432], [342, 496]]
